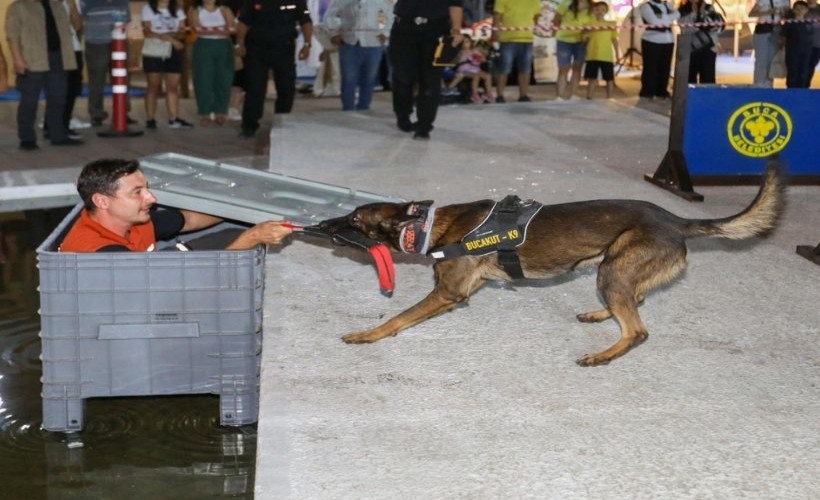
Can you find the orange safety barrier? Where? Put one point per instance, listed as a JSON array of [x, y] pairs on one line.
[[119, 85]]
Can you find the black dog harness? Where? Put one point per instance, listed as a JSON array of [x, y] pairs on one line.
[[502, 231]]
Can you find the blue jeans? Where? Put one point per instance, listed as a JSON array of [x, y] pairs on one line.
[[765, 46], [519, 53], [359, 67], [568, 53]]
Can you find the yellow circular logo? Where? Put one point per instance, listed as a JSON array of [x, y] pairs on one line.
[[759, 129]]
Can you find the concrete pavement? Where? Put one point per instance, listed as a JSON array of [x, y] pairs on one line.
[[486, 401]]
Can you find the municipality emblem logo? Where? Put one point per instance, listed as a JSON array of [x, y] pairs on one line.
[[759, 129]]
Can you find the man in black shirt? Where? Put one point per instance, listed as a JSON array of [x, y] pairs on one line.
[[416, 30], [266, 38]]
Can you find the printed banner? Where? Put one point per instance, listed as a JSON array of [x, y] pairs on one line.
[[731, 131]]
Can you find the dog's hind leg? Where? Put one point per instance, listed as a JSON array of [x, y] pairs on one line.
[[633, 331], [604, 314], [635, 263], [456, 280]]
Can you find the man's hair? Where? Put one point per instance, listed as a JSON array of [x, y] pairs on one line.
[[103, 176], [800, 2]]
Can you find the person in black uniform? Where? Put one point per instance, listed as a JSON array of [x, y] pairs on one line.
[[417, 27], [266, 38]]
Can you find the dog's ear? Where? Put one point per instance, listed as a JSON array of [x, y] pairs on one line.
[[406, 218]]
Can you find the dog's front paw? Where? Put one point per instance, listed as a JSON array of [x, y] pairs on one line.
[[360, 338], [594, 316], [592, 360]]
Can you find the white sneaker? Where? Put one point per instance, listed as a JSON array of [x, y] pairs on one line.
[[574, 98], [76, 123], [234, 115]]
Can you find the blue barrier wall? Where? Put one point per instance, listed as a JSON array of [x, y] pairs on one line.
[[730, 131]]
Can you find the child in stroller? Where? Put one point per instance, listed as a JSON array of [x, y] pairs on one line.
[[471, 59]]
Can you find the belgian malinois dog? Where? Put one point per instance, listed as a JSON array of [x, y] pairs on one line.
[[636, 245]]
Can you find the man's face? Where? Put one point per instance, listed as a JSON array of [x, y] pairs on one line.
[[133, 200]]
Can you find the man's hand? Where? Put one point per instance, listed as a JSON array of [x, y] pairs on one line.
[[457, 39], [272, 232], [20, 66], [336, 40], [304, 52], [264, 233]]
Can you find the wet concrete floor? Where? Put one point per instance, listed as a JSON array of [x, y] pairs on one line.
[[146, 447]]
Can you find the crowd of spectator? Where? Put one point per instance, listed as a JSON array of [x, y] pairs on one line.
[[233, 45]]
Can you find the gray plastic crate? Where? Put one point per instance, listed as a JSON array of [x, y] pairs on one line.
[[149, 323]]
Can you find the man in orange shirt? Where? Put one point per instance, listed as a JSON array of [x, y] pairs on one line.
[[118, 214]]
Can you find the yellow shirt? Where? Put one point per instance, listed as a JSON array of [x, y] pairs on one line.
[[517, 14], [599, 45], [570, 19]]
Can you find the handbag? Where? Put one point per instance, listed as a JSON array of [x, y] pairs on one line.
[[446, 55], [702, 40], [153, 47]]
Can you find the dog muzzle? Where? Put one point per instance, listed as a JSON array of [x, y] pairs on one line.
[[382, 257], [415, 235]]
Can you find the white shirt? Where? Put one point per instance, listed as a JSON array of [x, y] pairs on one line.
[[667, 16], [211, 19], [162, 22], [360, 21]]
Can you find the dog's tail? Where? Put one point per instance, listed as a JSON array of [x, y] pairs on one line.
[[758, 219]]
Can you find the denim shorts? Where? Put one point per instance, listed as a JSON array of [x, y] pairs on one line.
[[521, 53], [569, 53]]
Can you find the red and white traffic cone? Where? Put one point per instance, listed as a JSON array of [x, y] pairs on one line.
[[119, 85]]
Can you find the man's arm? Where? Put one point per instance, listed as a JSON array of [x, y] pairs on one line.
[[195, 221], [13, 27], [306, 23], [456, 18], [333, 20], [307, 35], [4, 72], [498, 23], [19, 63], [241, 33], [74, 16], [264, 233]]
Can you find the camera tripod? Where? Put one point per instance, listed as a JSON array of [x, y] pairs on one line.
[[627, 59]]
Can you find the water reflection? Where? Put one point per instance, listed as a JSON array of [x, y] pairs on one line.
[[139, 447]]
